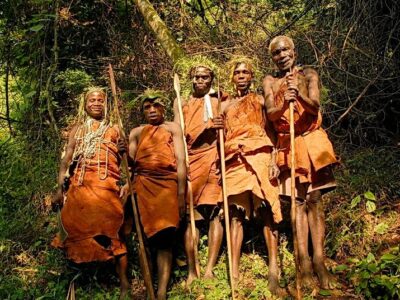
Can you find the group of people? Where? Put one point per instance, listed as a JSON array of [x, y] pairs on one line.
[[257, 149]]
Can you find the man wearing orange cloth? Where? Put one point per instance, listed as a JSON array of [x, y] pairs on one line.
[[157, 151], [201, 123], [92, 214], [313, 150], [251, 172]]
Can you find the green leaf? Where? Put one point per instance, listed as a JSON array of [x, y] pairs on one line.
[[355, 201], [388, 256], [36, 28], [381, 228], [370, 257], [370, 196], [370, 205], [325, 292], [340, 268]]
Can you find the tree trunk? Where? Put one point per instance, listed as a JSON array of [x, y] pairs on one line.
[[160, 30]]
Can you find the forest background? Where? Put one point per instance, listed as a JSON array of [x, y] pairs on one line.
[[51, 49]]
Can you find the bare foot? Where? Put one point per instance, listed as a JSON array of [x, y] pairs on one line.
[[190, 279], [124, 292], [326, 280], [273, 285], [209, 275]]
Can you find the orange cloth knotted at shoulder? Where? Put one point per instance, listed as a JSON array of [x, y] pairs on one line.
[[93, 214], [248, 153], [314, 150], [156, 182], [202, 160]]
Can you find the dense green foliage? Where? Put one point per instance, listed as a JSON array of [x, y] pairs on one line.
[[51, 49]]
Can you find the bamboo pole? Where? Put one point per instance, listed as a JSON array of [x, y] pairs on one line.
[[144, 263], [225, 198], [293, 196], [177, 88]]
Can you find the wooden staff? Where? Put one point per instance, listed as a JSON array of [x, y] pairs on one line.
[[225, 199], [177, 88], [293, 196], [144, 263]]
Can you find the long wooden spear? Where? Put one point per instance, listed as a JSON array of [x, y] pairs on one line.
[[225, 198], [177, 88], [293, 195], [144, 263]]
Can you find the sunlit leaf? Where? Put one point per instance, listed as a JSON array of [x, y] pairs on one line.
[[370, 196], [381, 228], [371, 206], [355, 201]]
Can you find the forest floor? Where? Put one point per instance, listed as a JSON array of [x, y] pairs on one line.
[[362, 245]]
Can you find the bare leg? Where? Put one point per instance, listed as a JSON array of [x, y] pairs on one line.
[[271, 239], [302, 243], [236, 239], [215, 234], [122, 268], [316, 219], [164, 263], [190, 254]]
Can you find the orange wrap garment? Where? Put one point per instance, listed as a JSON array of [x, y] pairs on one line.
[[203, 160], [314, 151], [248, 150], [93, 214], [157, 180]]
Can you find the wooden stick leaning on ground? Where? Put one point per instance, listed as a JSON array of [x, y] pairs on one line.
[[225, 199], [144, 263], [293, 196], [177, 88]]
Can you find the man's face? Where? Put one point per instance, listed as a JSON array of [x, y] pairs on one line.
[[242, 76], [283, 54], [95, 103], [153, 112], [202, 80]]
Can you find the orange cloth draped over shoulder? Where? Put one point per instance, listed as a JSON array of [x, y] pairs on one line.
[[202, 160], [248, 148], [157, 180], [93, 214], [314, 150]]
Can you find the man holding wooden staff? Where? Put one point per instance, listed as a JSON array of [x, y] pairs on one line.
[[157, 153], [251, 172], [314, 153], [201, 122]]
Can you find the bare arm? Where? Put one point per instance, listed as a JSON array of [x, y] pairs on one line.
[[309, 92], [180, 164], [273, 112], [64, 165]]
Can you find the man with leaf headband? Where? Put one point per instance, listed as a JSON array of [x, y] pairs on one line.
[[251, 172], [92, 213], [202, 121], [157, 152]]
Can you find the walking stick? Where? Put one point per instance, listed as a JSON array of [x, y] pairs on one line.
[[144, 263], [177, 88], [293, 197], [225, 199]]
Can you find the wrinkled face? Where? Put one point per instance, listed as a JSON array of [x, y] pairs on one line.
[[153, 112], [283, 54], [95, 104], [242, 77], [202, 80]]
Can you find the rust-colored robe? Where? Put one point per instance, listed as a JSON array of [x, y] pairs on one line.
[[93, 214], [314, 151], [157, 180], [248, 150], [202, 161]]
